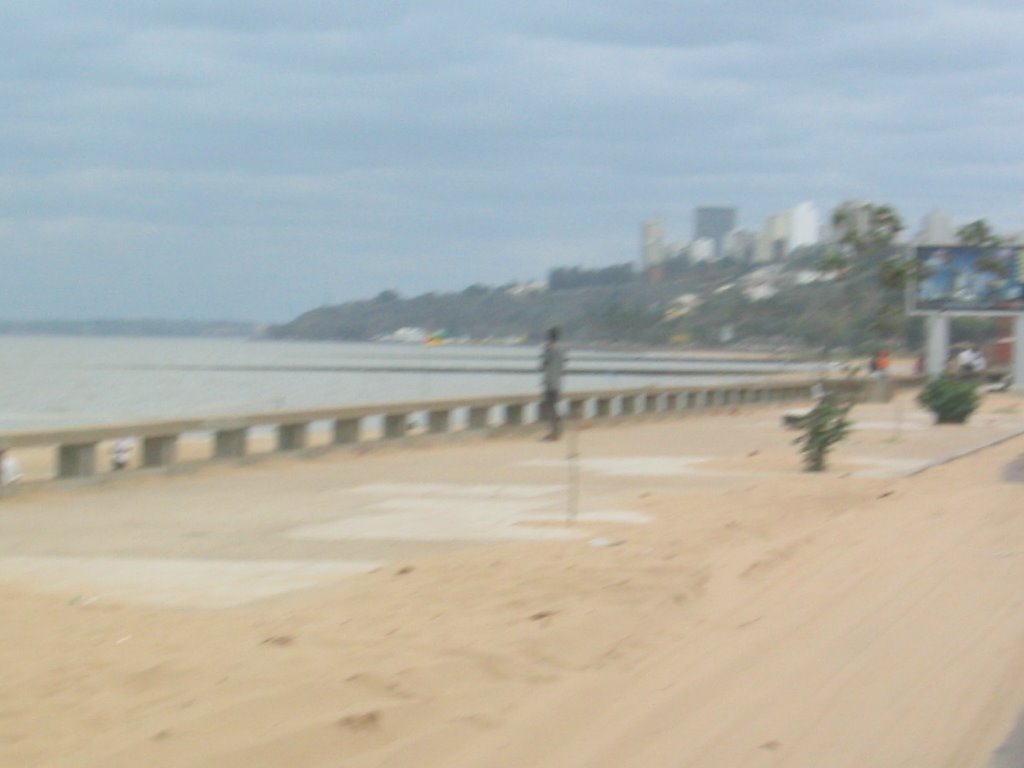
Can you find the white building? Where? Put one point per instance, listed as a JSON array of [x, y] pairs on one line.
[[652, 243], [802, 227], [677, 249], [739, 244], [785, 231], [702, 249], [760, 292], [936, 229], [772, 239]]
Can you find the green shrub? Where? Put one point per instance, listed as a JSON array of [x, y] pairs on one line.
[[823, 426], [952, 400]]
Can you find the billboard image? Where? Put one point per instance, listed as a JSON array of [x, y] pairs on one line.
[[969, 280]]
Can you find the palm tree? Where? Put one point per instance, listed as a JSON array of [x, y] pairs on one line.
[[978, 234]]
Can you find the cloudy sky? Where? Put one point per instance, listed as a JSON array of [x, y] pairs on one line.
[[251, 159]]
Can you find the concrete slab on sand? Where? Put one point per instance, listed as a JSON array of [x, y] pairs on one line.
[[166, 581], [228, 535]]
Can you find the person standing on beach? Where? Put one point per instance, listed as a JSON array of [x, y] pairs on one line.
[[552, 364]]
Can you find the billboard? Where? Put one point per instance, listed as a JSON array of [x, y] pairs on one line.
[[962, 279]]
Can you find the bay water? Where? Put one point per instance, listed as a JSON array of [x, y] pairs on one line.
[[50, 382]]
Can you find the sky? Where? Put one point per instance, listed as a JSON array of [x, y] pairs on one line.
[[253, 159]]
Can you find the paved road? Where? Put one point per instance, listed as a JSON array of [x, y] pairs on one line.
[[1011, 753]]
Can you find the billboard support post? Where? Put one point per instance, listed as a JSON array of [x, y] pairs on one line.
[[936, 344], [1017, 355]]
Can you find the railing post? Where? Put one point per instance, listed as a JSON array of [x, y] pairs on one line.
[[478, 415], [159, 450], [577, 409], [76, 460], [395, 425], [291, 437], [230, 443], [437, 422], [346, 431], [513, 415]]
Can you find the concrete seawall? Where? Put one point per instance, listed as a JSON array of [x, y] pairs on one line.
[[76, 449]]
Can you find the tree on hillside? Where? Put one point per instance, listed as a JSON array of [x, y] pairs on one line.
[[867, 230], [833, 261], [868, 234], [978, 234]]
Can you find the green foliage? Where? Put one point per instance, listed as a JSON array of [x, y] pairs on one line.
[[896, 271], [986, 262], [823, 426], [867, 231], [569, 278], [833, 261], [978, 234], [951, 399]]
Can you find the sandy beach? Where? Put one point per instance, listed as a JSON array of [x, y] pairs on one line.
[[709, 604]]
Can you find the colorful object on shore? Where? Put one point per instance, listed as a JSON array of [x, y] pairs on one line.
[[436, 339]]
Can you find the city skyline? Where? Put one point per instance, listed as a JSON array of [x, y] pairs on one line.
[[251, 160]]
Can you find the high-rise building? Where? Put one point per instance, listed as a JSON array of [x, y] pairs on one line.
[[803, 227], [652, 243], [936, 229], [714, 222], [772, 239], [739, 244]]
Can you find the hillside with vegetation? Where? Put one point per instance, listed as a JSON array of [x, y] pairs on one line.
[[848, 296]]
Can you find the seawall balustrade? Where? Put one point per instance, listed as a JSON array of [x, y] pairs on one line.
[[77, 450]]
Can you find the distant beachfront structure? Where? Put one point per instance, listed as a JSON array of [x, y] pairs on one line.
[[937, 228], [702, 249], [739, 244], [804, 227], [652, 243], [784, 232], [714, 223], [716, 235]]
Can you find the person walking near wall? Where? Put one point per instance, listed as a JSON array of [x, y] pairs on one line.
[[552, 365]]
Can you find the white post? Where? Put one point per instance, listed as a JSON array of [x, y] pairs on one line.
[[936, 344], [1017, 355]]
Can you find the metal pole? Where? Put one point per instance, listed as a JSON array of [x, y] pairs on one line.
[[572, 460], [1017, 356]]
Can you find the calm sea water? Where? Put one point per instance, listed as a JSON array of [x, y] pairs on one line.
[[57, 381]]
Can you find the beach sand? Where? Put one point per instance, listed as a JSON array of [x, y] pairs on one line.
[[711, 605]]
